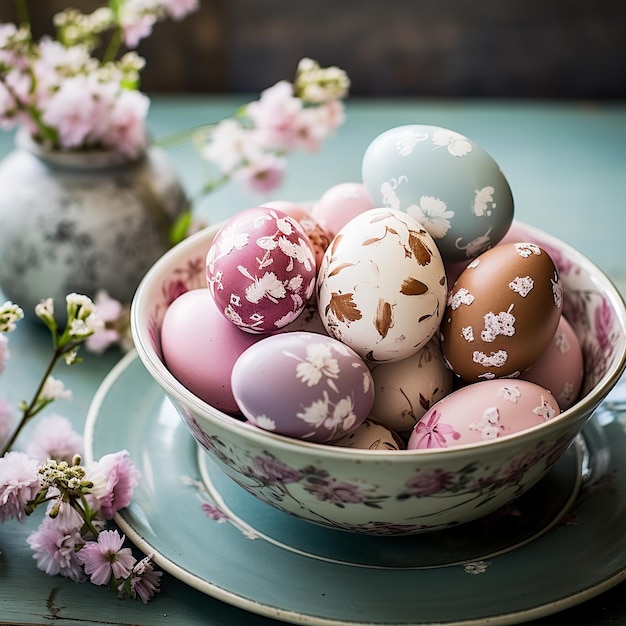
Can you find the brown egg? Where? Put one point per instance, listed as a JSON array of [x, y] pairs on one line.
[[502, 312]]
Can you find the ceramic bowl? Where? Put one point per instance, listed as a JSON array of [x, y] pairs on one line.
[[388, 492]]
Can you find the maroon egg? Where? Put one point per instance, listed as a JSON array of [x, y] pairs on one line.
[[261, 270], [303, 385]]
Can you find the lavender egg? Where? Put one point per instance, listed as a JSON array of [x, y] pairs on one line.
[[303, 385]]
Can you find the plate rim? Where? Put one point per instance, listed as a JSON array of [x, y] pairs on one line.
[[217, 591]]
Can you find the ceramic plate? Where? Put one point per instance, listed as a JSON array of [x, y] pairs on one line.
[[560, 544]]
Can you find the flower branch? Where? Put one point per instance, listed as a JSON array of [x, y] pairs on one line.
[[72, 539]]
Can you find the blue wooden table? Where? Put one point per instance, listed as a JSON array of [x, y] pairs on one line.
[[566, 164]]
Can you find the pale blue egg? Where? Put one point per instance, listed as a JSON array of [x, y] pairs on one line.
[[445, 181]]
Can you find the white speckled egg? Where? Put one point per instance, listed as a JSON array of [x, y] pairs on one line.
[[339, 204], [261, 269], [484, 411], [404, 390], [560, 368], [303, 385], [502, 312], [445, 181], [371, 435], [200, 347], [382, 287]]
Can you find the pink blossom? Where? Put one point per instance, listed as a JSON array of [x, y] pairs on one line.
[[54, 546], [433, 433], [106, 557], [213, 512], [604, 320], [136, 27], [72, 111], [430, 482], [8, 418], [272, 471], [114, 477], [100, 341], [336, 492], [144, 581], [262, 175], [54, 438], [178, 9], [109, 311], [127, 131], [19, 483], [275, 115], [229, 145]]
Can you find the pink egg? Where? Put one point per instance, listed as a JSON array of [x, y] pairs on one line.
[[297, 211], [261, 269], [560, 367], [483, 411], [339, 204], [200, 347]]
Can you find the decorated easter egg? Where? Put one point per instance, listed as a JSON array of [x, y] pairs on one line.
[[404, 390], [484, 411], [381, 288], [445, 181], [371, 435], [339, 204], [560, 367], [502, 312], [318, 237], [260, 269], [309, 320], [303, 385], [293, 209], [200, 347]]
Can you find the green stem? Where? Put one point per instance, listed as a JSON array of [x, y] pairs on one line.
[[183, 136], [86, 514], [32, 409], [113, 48], [21, 9], [208, 188]]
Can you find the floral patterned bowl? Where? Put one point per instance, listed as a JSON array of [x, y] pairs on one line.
[[388, 492]]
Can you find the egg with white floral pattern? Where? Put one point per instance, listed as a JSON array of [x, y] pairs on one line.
[[260, 269], [502, 312], [484, 411], [445, 181], [303, 385], [381, 288]]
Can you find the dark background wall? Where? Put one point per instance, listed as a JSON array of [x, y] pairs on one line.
[[430, 48]]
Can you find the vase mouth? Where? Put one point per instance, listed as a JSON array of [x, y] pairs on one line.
[[82, 158]]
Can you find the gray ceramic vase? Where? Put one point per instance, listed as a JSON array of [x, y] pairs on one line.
[[82, 221]]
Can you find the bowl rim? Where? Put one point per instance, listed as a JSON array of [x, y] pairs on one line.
[[172, 387]]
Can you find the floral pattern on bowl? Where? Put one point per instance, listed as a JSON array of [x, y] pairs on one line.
[[401, 492]]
